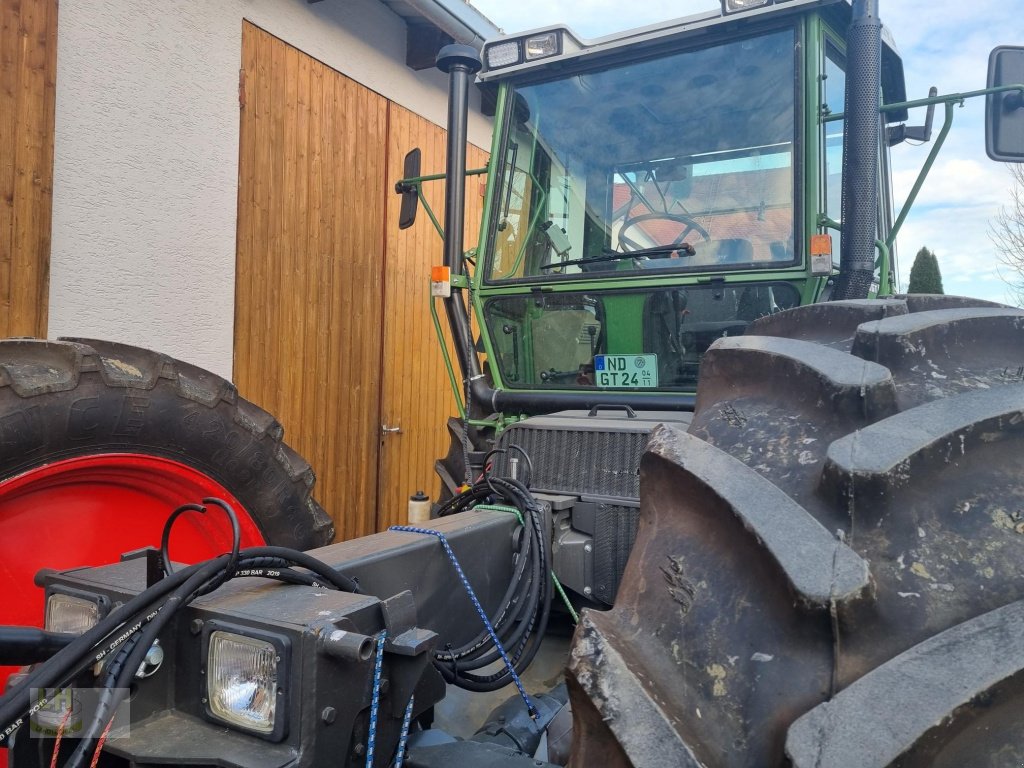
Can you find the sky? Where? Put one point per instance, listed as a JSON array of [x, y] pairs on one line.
[[944, 43]]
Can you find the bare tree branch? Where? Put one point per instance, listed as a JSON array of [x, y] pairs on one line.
[[1006, 231]]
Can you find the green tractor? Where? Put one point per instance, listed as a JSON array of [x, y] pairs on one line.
[[650, 193], [813, 560]]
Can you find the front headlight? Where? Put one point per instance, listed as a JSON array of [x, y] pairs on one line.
[[73, 615], [542, 46], [242, 681], [732, 6]]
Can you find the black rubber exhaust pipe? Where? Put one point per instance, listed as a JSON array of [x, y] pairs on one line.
[[860, 152]]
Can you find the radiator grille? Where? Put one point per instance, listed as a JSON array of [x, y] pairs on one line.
[[580, 462], [614, 534]]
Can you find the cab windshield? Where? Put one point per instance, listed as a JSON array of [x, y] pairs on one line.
[[643, 339], [684, 162]]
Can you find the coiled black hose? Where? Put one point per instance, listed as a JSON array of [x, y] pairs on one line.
[[522, 615]]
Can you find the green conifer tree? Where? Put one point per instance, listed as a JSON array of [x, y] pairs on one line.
[[925, 276]]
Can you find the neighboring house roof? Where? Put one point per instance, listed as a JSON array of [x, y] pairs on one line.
[[722, 205]]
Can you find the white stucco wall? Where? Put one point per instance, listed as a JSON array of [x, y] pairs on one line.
[[146, 155]]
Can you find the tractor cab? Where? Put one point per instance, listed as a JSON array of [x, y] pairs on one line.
[[603, 183], [654, 191]]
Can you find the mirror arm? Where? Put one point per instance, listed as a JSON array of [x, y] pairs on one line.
[[415, 184], [939, 141]]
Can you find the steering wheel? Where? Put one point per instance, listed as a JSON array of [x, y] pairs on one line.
[[628, 244]]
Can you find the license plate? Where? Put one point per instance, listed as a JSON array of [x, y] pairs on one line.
[[626, 371]]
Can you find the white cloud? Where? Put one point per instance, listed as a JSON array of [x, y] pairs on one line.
[[953, 181], [946, 43], [958, 237]]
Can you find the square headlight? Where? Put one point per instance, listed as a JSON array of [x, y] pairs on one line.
[[542, 46], [245, 676], [74, 614]]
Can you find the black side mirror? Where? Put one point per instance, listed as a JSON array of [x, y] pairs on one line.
[[409, 192], [1004, 112]]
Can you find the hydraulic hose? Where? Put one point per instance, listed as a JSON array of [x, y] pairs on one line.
[[522, 615]]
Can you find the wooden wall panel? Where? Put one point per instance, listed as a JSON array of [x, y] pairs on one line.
[[28, 67], [309, 285], [417, 395]]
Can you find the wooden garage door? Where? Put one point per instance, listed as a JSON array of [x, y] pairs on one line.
[[417, 394], [28, 70], [332, 326]]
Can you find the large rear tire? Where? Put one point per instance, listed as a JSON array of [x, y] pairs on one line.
[[828, 566], [100, 442]]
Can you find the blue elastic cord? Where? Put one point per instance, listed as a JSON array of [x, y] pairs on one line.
[[371, 738], [400, 758], [476, 604]]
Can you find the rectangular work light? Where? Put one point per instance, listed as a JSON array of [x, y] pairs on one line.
[[732, 6], [244, 682], [503, 54], [542, 46], [70, 614], [507, 53]]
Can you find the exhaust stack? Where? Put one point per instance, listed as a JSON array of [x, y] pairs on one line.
[[460, 63], [860, 152]]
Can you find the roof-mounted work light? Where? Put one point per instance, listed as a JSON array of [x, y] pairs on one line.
[[733, 6], [507, 53]]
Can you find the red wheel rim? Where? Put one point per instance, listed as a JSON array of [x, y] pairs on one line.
[[88, 510]]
